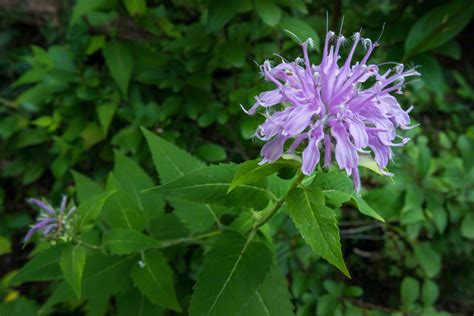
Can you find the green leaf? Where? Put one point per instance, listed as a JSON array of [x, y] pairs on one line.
[[122, 209], [5, 246], [467, 226], [135, 7], [125, 241], [170, 161], [232, 271], [271, 298], [210, 184], [365, 208], [299, 28], [251, 171], [135, 303], [429, 259], [119, 60], [211, 152], [154, 278], [195, 216], [438, 26], [269, 11], [44, 266], [429, 293], [432, 74], [73, 259], [132, 180], [368, 162], [89, 210], [317, 225], [92, 134], [409, 291], [105, 113], [103, 276], [86, 187], [221, 12], [84, 6], [233, 52]]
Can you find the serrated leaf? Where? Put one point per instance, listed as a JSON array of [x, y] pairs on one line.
[[269, 11], [233, 270], [126, 241], [438, 26], [135, 303], [365, 208], [170, 161], [210, 184], [155, 280], [271, 298], [44, 266], [73, 259], [85, 186], [317, 225], [119, 60], [105, 113], [132, 180], [251, 171], [102, 278], [196, 216], [89, 210]]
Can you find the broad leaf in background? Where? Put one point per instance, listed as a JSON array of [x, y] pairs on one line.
[[85, 186], [210, 185], [467, 226], [269, 11], [317, 225], [44, 266], [119, 60], [170, 160], [125, 241], [438, 26], [221, 12], [409, 291], [232, 272], [73, 259], [251, 171], [430, 260], [154, 278], [135, 7], [271, 298], [300, 29], [211, 152]]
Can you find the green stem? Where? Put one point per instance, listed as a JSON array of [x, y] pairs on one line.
[[265, 218]]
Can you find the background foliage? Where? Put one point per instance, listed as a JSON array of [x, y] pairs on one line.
[[79, 81]]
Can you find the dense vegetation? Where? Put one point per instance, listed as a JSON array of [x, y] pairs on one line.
[[97, 94]]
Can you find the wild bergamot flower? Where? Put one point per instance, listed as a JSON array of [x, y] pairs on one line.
[[51, 223], [329, 106]]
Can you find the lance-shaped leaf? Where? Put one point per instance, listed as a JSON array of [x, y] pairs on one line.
[[233, 271], [271, 298], [154, 279], [317, 225], [88, 210], [86, 187], [251, 171], [196, 216], [103, 276], [73, 259], [125, 241], [170, 161], [119, 60], [44, 266], [210, 184]]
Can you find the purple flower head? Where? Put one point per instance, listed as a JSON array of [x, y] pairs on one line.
[[332, 107], [50, 222]]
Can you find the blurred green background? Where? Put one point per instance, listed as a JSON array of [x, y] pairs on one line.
[[79, 78]]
